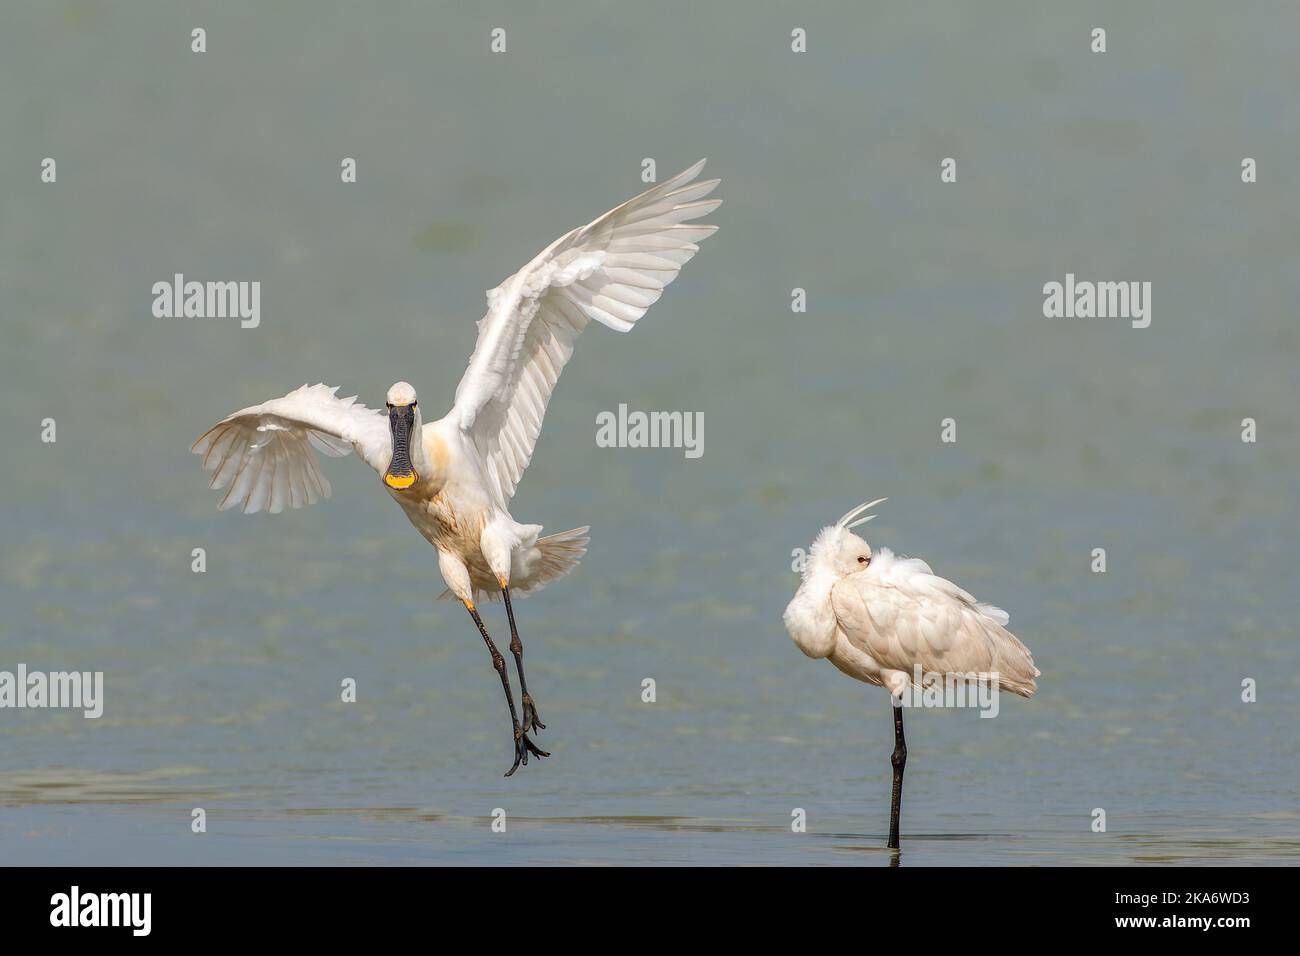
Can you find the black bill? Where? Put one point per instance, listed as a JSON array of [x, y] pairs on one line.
[[401, 421]]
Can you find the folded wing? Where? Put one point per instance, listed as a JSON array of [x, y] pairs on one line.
[[903, 615], [611, 270], [264, 453]]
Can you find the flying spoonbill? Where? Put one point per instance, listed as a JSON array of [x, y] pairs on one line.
[[882, 619], [454, 477]]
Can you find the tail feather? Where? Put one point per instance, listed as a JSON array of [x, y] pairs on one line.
[[560, 554], [557, 555], [1015, 664]]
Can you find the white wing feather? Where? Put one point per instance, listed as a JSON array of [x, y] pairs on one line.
[[611, 270], [264, 452], [902, 614]]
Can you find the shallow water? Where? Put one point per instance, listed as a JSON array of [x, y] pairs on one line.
[[924, 303]]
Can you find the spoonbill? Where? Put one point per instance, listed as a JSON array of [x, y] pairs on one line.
[[454, 477], [888, 620]]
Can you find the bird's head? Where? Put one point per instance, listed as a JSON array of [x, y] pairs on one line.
[[838, 550], [403, 422]]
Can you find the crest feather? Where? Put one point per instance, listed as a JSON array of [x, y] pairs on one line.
[[855, 512]]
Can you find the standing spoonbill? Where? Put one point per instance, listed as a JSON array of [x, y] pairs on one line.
[[881, 619], [454, 477]]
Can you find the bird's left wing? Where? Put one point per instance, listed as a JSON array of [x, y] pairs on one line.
[[611, 270], [903, 615], [264, 452]]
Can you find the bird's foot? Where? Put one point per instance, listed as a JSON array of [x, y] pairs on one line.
[[524, 747], [531, 720]]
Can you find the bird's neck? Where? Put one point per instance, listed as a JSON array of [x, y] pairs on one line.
[[429, 458]]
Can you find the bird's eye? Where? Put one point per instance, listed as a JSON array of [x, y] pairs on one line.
[[863, 560]]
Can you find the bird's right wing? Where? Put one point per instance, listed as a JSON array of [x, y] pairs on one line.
[[610, 270], [264, 452]]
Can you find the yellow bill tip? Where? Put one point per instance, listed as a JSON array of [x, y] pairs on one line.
[[399, 481]]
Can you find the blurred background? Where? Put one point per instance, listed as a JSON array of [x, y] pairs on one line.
[[924, 302]]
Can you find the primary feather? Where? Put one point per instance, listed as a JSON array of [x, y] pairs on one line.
[[611, 271], [264, 452]]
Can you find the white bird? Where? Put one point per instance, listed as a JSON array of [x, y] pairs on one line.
[[889, 620], [454, 477]]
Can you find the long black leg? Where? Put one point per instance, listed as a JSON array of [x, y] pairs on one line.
[[523, 746], [899, 760], [517, 648]]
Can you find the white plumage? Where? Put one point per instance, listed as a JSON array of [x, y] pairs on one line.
[[901, 615], [454, 477], [610, 271], [891, 621], [878, 616], [262, 452]]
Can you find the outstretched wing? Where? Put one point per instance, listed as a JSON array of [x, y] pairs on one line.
[[904, 615], [264, 452], [612, 271]]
